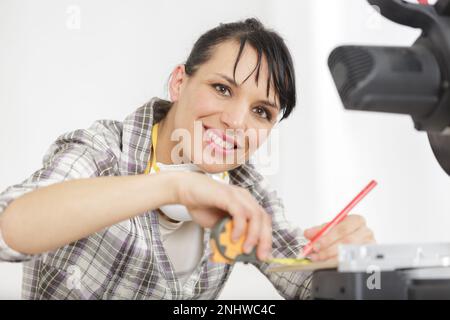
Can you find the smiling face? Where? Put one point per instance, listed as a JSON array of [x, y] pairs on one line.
[[226, 120]]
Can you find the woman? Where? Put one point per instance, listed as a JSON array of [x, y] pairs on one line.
[[87, 224]]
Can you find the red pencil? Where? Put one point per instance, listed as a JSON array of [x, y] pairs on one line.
[[309, 247]]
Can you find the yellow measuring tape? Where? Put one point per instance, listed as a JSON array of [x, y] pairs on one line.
[[289, 261]]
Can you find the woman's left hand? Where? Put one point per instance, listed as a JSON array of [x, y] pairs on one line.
[[351, 230]]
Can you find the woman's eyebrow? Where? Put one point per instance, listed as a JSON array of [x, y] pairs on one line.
[[268, 103], [227, 78], [232, 82]]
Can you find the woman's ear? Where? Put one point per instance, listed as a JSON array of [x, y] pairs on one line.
[[177, 78]]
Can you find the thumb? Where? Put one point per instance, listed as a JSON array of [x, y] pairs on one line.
[[311, 232], [206, 217]]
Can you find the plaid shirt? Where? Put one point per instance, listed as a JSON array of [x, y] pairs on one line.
[[127, 260]]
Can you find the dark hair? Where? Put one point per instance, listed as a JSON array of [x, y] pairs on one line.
[[266, 42]]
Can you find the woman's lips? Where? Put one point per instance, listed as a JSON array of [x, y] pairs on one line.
[[218, 149], [219, 141], [222, 135]]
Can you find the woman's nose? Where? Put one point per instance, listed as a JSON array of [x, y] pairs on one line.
[[234, 116]]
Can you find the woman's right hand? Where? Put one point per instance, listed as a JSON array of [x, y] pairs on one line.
[[208, 201]]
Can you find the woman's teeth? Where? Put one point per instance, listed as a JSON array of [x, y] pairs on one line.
[[219, 141]]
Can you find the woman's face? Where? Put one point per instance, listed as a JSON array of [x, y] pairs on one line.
[[223, 123]]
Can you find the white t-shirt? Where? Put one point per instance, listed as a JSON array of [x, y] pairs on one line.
[[183, 242]]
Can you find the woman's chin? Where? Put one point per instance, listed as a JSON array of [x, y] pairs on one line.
[[215, 165], [212, 162], [215, 168]]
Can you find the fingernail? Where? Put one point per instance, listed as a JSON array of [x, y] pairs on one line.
[[248, 248], [265, 255]]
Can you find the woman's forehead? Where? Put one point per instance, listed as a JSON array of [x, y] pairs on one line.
[[224, 58]]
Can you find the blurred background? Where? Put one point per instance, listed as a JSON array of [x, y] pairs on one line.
[[65, 64]]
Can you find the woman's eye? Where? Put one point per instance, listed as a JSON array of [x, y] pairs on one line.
[[223, 90], [263, 113]]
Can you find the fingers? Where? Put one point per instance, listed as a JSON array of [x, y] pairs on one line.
[[207, 218], [264, 250], [311, 232], [239, 221], [362, 235], [349, 225], [249, 216], [253, 232]]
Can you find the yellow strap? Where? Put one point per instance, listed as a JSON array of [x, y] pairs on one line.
[[152, 162]]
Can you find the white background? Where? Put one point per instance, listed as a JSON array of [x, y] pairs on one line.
[[55, 77]]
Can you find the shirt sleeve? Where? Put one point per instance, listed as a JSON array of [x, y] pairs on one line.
[[74, 155], [288, 240]]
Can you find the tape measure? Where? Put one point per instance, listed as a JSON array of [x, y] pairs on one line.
[[224, 250]]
